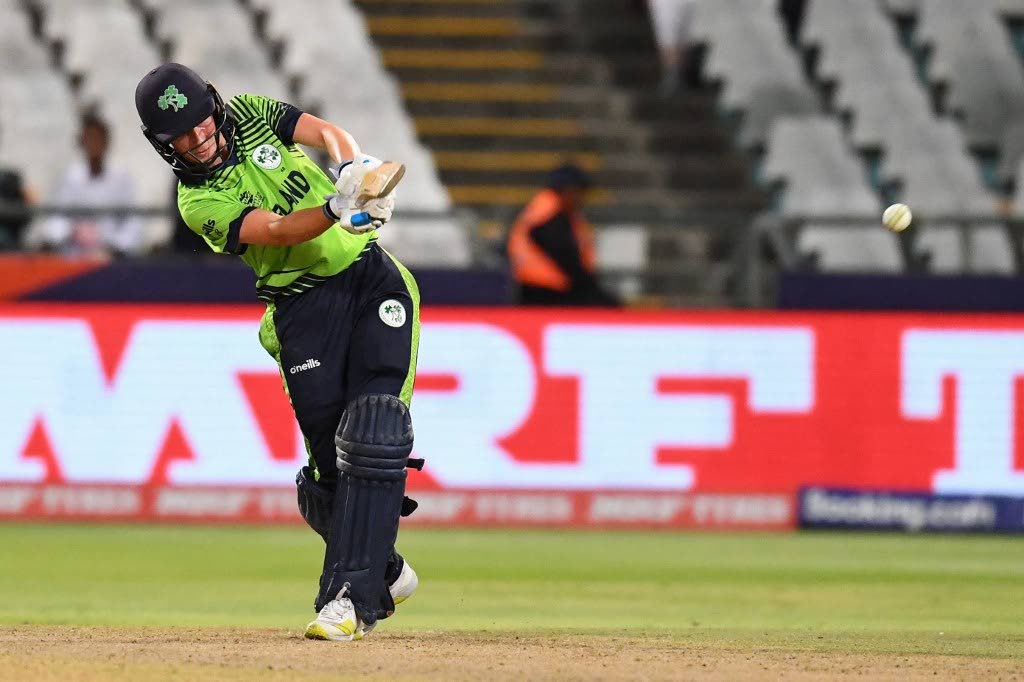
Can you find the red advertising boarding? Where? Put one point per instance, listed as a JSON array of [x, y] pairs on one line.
[[525, 417]]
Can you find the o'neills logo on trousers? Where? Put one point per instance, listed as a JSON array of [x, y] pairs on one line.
[[308, 364]]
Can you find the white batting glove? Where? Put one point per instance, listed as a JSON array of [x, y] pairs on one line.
[[349, 174], [369, 216], [380, 209]]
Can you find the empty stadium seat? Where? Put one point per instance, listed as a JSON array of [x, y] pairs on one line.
[[879, 113], [971, 53], [1018, 203], [853, 48], [1011, 152], [286, 20], [1010, 8], [770, 102], [748, 53], [19, 52], [231, 59], [903, 7], [936, 173], [90, 58], [822, 179], [40, 149]]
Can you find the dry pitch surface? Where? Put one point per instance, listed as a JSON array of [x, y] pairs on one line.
[[88, 654], [152, 603]]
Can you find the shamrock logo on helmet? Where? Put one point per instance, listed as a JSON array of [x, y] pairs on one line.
[[172, 98]]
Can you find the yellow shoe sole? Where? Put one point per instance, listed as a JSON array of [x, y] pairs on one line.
[[317, 631]]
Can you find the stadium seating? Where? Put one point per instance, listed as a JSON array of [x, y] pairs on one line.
[[886, 114], [38, 146], [232, 59], [970, 54], [338, 76], [1011, 152], [809, 155], [925, 154], [1018, 203], [1010, 8], [30, 88], [218, 38], [856, 130], [21, 55], [761, 77]]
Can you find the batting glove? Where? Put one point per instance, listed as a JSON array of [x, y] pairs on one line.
[[369, 216], [349, 174], [380, 209]]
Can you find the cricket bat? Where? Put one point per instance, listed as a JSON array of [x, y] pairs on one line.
[[380, 181]]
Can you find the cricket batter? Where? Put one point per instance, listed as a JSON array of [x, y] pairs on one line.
[[342, 317]]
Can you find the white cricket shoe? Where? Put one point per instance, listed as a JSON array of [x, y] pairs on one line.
[[405, 586], [401, 589], [337, 621]]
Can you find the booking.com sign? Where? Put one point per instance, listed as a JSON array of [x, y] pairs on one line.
[[534, 400]]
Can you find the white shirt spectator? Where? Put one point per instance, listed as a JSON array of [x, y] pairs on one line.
[[672, 21], [100, 235]]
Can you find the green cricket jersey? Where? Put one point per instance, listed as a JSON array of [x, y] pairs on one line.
[[268, 171]]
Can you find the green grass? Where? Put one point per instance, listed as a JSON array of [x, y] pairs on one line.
[[863, 592]]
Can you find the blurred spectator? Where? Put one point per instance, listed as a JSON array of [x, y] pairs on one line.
[[551, 245], [92, 182], [672, 21], [13, 199]]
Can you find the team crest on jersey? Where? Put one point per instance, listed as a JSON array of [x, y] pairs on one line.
[[392, 313], [267, 156]]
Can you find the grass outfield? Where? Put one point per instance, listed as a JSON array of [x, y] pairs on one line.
[[940, 593], [818, 593]]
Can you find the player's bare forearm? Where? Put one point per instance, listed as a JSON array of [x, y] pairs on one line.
[[270, 229], [311, 131], [299, 226]]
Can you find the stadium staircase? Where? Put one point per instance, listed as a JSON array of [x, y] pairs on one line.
[[503, 90]]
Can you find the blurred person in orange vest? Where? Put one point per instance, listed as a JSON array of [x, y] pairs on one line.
[[551, 245]]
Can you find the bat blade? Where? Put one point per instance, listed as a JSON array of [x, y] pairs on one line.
[[380, 181]]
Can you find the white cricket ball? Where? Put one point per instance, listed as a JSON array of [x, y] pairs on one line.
[[897, 217]]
